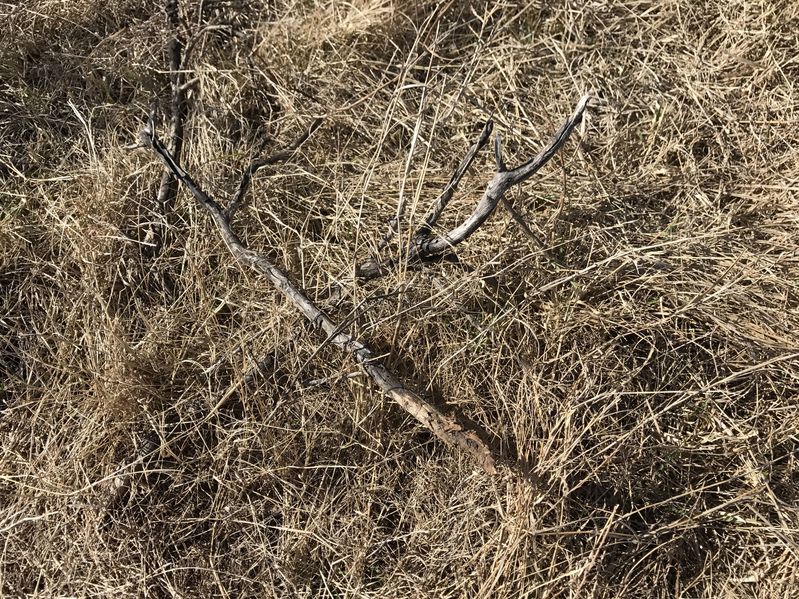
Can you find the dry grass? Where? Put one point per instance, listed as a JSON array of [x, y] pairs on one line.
[[652, 381]]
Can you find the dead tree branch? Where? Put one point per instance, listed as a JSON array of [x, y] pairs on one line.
[[424, 245], [373, 265], [445, 427]]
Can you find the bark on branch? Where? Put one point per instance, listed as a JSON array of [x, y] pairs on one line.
[[445, 427], [441, 202], [424, 245]]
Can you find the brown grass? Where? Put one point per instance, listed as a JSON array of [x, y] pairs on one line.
[[652, 381]]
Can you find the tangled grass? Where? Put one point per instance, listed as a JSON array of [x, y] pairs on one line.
[[651, 379]]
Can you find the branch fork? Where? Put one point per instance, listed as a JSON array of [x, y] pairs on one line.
[[425, 245]]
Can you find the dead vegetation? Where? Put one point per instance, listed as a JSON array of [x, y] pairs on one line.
[[645, 363]]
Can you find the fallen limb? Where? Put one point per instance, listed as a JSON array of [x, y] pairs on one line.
[[445, 427]]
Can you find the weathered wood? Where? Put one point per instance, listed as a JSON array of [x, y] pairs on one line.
[[167, 189], [445, 427], [426, 246]]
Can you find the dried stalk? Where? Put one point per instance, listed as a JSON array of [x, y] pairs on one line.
[[425, 246], [445, 427], [168, 188]]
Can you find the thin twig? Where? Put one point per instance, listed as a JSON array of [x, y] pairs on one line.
[[168, 188], [282, 155], [516, 215], [532, 235]]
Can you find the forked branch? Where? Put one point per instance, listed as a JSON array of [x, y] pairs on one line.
[[445, 427], [441, 202], [373, 265], [425, 245]]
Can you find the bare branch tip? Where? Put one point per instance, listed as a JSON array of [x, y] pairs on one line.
[[486, 133], [501, 167], [583, 104]]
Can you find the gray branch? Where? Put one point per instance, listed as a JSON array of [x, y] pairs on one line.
[[445, 427], [441, 202], [425, 246], [167, 190]]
